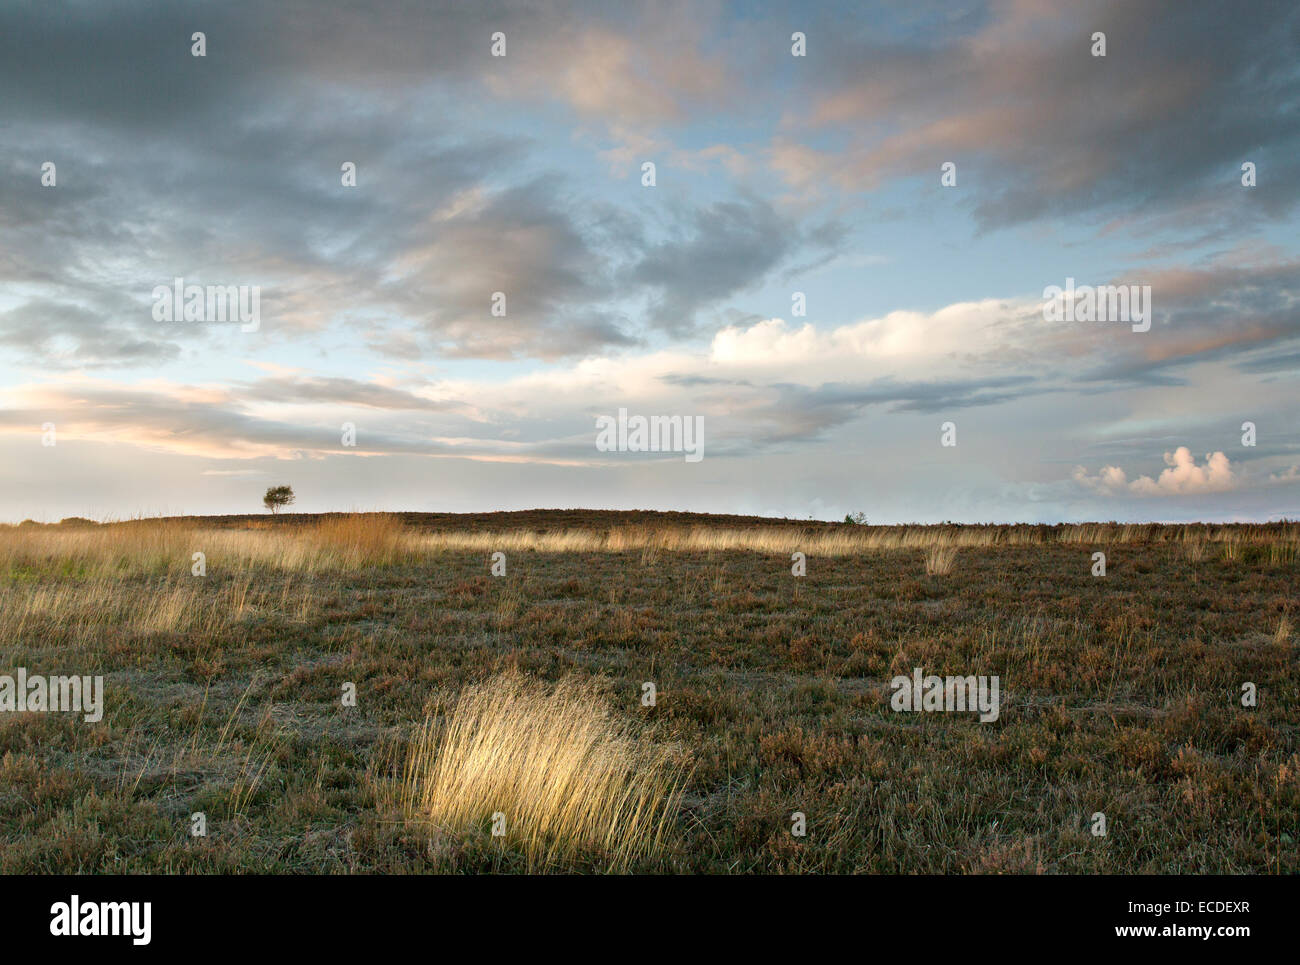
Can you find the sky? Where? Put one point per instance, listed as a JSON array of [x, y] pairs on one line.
[[852, 333]]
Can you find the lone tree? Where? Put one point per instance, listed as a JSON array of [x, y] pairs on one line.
[[277, 496]]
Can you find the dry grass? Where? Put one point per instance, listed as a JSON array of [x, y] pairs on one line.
[[76, 614], [1231, 550], [357, 539], [939, 560], [334, 543], [1281, 553], [222, 695], [345, 542], [568, 779]]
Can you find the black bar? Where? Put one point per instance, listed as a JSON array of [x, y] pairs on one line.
[[333, 915]]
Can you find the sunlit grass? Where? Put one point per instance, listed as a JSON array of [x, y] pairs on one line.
[[564, 777], [939, 560], [341, 542]]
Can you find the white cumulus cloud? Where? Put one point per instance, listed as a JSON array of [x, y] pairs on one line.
[[1181, 476]]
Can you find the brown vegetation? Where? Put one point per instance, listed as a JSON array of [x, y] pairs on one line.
[[1120, 694]]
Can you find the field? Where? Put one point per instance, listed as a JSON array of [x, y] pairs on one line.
[[1121, 695]]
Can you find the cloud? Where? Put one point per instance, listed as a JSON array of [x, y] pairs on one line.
[[649, 75], [1039, 127], [1238, 305], [639, 65], [239, 184], [61, 335], [717, 251], [1182, 477], [337, 391], [519, 174], [763, 385], [227, 167], [220, 424]]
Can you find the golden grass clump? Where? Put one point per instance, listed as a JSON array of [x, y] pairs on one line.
[[352, 539], [1281, 554], [939, 560], [1231, 550], [569, 779]]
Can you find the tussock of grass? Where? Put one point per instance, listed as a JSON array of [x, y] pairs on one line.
[[569, 779], [939, 560], [1231, 550], [356, 539]]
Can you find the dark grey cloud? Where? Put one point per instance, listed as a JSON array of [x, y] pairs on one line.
[[717, 251], [60, 334], [833, 403], [1284, 362], [1237, 308], [1188, 90], [524, 242], [337, 391], [128, 65], [750, 417], [696, 381], [225, 170]]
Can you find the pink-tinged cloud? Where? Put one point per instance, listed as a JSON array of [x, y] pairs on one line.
[[1183, 476]]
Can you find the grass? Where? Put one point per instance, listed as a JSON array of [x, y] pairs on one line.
[[939, 560], [1120, 694], [563, 777]]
